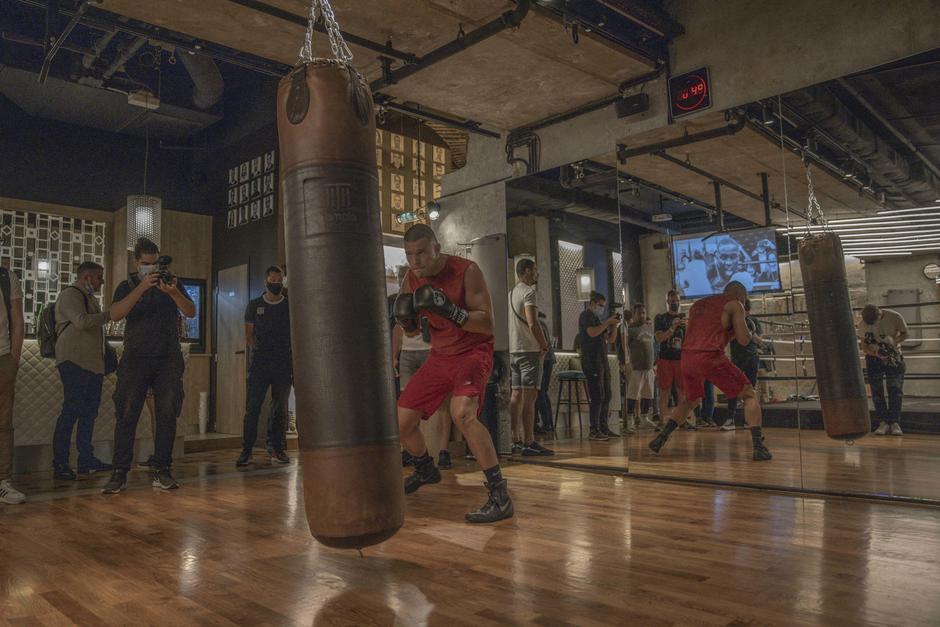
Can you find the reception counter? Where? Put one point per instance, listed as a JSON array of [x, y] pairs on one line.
[[39, 402]]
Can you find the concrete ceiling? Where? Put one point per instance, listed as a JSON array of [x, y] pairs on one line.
[[506, 81]]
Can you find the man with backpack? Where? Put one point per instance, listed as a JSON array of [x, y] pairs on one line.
[[80, 360], [12, 329]]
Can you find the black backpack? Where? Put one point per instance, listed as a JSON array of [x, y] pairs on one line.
[[45, 330]]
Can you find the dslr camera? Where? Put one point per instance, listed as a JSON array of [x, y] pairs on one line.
[[615, 310], [163, 269]]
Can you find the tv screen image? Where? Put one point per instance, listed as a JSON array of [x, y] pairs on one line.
[[705, 264]]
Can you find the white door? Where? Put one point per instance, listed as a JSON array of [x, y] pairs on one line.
[[231, 361]]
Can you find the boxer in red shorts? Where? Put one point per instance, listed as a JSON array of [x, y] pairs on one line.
[[713, 322], [450, 294]]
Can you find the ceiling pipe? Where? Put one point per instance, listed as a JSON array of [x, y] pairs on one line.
[[29, 41], [890, 127], [469, 126], [207, 80], [662, 154], [624, 153], [97, 48], [57, 44], [124, 56], [300, 20], [509, 19], [597, 104]]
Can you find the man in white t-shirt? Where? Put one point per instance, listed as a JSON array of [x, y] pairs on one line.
[[527, 347], [12, 329], [880, 333]]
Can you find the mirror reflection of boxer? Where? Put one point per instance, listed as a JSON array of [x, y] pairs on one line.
[[451, 294], [730, 260], [713, 322]]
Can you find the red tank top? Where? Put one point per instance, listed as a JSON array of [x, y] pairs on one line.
[[705, 332], [446, 337]]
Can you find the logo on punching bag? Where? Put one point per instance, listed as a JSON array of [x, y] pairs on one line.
[[331, 206]]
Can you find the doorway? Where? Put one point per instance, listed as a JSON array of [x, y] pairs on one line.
[[231, 359]]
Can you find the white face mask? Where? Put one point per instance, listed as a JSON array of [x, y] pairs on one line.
[[598, 310], [145, 270]]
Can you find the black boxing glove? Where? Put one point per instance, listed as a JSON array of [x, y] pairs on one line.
[[405, 313], [428, 298]]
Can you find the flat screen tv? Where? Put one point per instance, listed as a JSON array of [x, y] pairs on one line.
[[705, 263]]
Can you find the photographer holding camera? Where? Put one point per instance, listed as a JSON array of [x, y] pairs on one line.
[[595, 335], [149, 299], [880, 333]]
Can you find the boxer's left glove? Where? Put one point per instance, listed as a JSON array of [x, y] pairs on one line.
[[405, 313], [428, 298]]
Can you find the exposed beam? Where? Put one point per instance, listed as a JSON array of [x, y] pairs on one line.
[[662, 154]]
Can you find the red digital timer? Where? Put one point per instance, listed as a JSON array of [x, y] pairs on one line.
[[689, 92]]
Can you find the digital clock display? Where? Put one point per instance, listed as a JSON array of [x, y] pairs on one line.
[[689, 92]]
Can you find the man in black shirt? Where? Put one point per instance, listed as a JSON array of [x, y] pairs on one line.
[[267, 334], [669, 328], [152, 359], [594, 337]]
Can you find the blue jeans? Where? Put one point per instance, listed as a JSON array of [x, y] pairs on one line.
[[881, 375], [81, 397]]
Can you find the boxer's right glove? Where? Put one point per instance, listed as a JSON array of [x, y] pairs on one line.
[[405, 313]]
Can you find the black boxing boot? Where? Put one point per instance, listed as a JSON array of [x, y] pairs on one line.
[[761, 453], [497, 507], [425, 472], [660, 440]]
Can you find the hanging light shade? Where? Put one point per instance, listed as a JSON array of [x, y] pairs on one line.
[[585, 278], [143, 219]]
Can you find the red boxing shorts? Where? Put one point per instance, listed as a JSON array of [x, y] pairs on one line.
[[441, 376], [669, 371], [714, 366]]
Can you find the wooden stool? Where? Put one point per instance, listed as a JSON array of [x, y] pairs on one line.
[[567, 379]]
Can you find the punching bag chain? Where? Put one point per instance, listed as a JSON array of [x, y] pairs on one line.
[[814, 212], [341, 51]]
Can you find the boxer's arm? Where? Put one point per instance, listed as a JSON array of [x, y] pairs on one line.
[[739, 323], [479, 303]]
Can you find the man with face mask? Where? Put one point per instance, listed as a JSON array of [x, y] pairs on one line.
[[596, 334], [669, 330], [79, 356], [267, 335], [152, 359]]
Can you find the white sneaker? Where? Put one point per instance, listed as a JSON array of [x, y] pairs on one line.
[[646, 421], [882, 429], [728, 425], [896, 429], [9, 494]]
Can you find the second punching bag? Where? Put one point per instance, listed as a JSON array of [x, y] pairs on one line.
[[835, 347], [346, 417]]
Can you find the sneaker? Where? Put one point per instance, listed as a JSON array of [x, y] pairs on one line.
[[9, 494], [648, 422], [425, 474], [896, 429], [516, 448], [406, 459], [627, 428], [688, 426], [244, 459], [497, 507], [95, 465], [443, 460], [701, 423], [610, 434], [63, 473], [116, 483], [658, 442], [598, 436], [711, 424], [537, 450], [280, 457], [164, 480], [761, 454], [728, 425], [883, 428], [148, 464]]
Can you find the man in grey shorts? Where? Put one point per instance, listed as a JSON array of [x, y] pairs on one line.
[[527, 347], [409, 354]]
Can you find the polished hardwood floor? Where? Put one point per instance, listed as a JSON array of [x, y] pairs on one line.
[[907, 466], [232, 548]]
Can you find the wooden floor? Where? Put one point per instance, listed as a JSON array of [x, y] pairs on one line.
[[584, 549], [906, 466]]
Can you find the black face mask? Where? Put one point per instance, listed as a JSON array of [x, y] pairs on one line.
[[274, 288], [674, 307]]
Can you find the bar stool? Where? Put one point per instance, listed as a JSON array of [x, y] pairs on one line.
[[567, 379]]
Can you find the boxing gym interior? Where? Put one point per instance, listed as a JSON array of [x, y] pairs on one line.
[[674, 265]]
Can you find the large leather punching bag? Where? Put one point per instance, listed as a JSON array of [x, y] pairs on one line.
[[832, 328], [346, 417]]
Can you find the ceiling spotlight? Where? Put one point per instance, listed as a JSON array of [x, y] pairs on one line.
[[434, 214], [434, 210]]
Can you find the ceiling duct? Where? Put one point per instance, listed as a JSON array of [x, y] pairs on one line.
[[206, 78], [886, 166]]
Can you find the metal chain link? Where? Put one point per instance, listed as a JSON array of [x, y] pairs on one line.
[[341, 51], [814, 212]]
